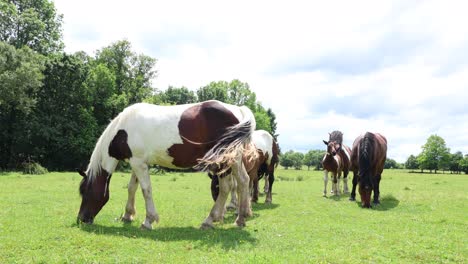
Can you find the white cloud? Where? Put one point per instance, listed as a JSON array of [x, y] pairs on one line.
[[395, 67]]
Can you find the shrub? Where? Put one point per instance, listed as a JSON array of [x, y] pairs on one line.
[[33, 168]]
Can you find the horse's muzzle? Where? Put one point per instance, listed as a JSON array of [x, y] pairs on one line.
[[85, 220]]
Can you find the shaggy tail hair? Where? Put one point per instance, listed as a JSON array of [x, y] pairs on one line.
[[365, 157], [225, 152]]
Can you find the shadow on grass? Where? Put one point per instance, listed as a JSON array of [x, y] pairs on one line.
[[387, 202], [263, 206], [227, 238]]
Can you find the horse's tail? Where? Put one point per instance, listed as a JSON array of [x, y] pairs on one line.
[[366, 157], [275, 156], [230, 145]]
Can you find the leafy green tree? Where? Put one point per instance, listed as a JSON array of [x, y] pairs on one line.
[[464, 164], [297, 158], [313, 158], [390, 164], [63, 127], [286, 160], [411, 163], [176, 96], [20, 79], [32, 23], [133, 73], [434, 154], [273, 123], [455, 159], [213, 91]]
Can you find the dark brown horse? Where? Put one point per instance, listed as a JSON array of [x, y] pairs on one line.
[[368, 159], [337, 160]]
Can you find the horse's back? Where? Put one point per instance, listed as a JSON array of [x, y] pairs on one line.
[[264, 141], [176, 136]]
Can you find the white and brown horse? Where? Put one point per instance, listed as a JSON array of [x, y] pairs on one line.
[[368, 159], [337, 160], [262, 165], [210, 135]]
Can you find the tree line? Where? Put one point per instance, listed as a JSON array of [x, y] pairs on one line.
[[435, 156], [54, 105]]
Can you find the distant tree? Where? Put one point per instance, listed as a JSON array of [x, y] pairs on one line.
[[213, 91], [20, 79], [35, 24], [297, 159], [455, 159], [411, 163], [464, 164], [176, 96], [273, 123], [390, 164], [434, 154], [286, 159], [313, 158]]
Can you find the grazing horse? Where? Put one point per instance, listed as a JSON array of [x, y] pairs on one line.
[[263, 164], [337, 160], [368, 159], [210, 135]]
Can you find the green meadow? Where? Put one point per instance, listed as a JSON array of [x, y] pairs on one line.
[[423, 218]]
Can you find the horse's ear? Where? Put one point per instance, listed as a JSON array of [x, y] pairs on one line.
[[326, 143], [81, 173]]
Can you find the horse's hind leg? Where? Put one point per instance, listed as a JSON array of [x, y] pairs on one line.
[[217, 212], [271, 179], [142, 173], [267, 184], [377, 189], [355, 181], [130, 208], [233, 186], [255, 190], [242, 179]]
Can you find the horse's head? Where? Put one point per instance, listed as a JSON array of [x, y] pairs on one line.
[[365, 190], [95, 194], [332, 147]]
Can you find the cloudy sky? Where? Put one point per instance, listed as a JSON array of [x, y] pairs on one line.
[[395, 67]]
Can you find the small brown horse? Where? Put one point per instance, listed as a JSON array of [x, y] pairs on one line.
[[368, 159], [337, 160]]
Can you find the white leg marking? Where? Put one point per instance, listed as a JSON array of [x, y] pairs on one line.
[[325, 181], [130, 208], [345, 183]]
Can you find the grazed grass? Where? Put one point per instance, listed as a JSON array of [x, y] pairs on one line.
[[423, 218]]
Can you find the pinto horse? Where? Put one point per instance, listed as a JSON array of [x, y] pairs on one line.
[[368, 159], [337, 160], [263, 165], [210, 135]]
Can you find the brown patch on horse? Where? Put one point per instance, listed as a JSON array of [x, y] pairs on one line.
[[200, 126], [118, 148]]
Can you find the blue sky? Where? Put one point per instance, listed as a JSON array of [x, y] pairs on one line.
[[395, 67]]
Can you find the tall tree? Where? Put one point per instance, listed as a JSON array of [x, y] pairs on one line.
[[177, 96], [434, 154], [20, 79], [32, 23], [411, 163], [213, 91]]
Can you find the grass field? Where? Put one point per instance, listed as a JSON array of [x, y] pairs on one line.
[[423, 218]]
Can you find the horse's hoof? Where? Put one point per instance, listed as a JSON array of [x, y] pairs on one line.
[[146, 227], [206, 226], [376, 202], [267, 201], [240, 224], [352, 199], [126, 220]]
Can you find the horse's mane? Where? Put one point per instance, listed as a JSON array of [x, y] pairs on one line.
[[366, 150], [95, 162], [336, 136]]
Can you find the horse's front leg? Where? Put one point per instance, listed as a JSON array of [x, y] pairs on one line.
[[269, 198], [266, 188], [345, 181], [335, 184], [217, 212], [130, 208], [142, 174], [255, 190], [325, 182]]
